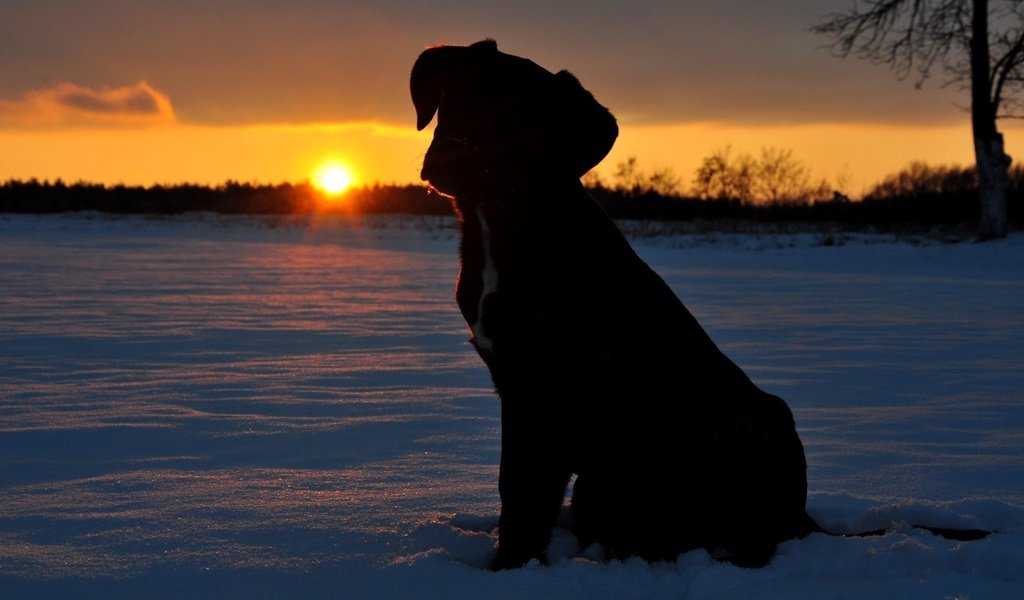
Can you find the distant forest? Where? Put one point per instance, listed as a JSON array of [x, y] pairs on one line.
[[919, 197]]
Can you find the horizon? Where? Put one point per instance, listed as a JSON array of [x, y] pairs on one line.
[[269, 94]]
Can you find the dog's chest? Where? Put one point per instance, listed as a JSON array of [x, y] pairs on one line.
[[478, 278]]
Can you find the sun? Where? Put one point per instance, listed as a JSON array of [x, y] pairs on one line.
[[333, 178]]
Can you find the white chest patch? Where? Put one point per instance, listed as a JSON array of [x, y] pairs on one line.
[[489, 277]]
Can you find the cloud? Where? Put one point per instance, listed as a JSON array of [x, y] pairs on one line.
[[72, 104]]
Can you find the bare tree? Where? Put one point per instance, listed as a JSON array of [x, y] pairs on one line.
[[629, 178], [721, 177], [776, 177], [979, 46], [664, 181], [780, 177]]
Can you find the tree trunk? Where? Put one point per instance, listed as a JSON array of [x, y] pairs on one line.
[[992, 165], [991, 159]]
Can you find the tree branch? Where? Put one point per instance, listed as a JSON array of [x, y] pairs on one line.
[[907, 35], [1003, 67]]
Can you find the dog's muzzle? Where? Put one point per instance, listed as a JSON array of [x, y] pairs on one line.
[[448, 160]]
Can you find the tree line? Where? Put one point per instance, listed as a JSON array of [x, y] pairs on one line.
[[772, 187], [232, 197], [918, 197]]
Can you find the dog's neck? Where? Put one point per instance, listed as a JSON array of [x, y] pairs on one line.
[[544, 195]]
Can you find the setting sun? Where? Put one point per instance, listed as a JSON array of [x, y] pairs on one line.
[[333, 178]]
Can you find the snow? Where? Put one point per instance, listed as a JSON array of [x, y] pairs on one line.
[[243, 407]]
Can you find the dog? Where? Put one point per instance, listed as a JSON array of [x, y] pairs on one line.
[[601, 370]]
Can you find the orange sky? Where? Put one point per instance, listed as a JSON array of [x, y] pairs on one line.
[[146, 91], [852, 155]]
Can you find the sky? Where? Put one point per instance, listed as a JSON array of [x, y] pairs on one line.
[[146, 91]]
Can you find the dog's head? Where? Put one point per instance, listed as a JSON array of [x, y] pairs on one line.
[[502, 119]]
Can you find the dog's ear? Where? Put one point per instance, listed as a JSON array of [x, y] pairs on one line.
[[439, 68], [590, 129]]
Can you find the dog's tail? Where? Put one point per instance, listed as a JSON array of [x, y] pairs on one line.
[[950, 533]]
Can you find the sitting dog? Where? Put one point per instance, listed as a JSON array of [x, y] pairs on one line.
[[601, 370]]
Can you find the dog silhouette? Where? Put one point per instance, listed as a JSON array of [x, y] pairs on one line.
[[601, 371]]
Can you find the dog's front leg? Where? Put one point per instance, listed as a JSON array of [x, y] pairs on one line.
[[532, 484]]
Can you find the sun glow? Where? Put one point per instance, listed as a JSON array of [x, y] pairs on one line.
[[333, 178]]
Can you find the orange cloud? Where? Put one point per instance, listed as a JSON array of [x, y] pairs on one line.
[[72, 104]]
